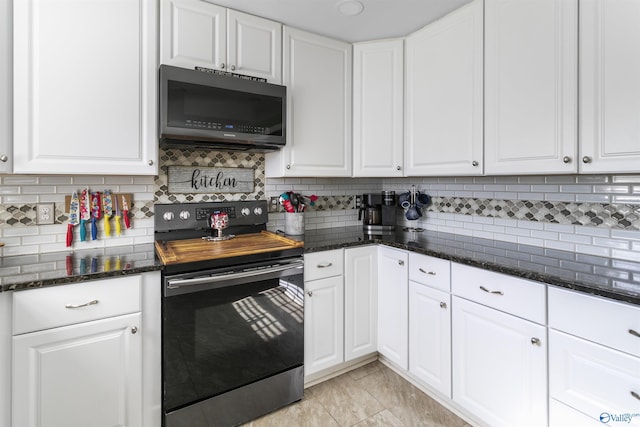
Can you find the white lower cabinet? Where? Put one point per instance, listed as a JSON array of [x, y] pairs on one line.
[[430, 336], [594, 361], [80, 375], [360, 302], [393, 305], [499, 366], [323, 311], [5, 356], [84, 354]]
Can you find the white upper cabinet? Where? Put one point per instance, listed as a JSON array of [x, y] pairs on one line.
[[444, 95], [609, 86], [85, 87], [6, 87], [254, 46], [200, 34], [317, 73], [531, 55], [193, 34], [378, 84]]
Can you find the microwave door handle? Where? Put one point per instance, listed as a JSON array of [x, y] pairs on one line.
[[178, 283]]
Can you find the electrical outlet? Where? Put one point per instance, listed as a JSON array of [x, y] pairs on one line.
[[274, 205], [45, 213]]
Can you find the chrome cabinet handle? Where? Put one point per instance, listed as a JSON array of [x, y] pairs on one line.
[[431, 273], [474, 163], [134, 330], [4, 158], [86, 304], [636, 395], [325, 265], [310, 293], [491, 292], [566, 159], [634, 333], [443, 305], [535, 341], [400, 262], [586, 159]]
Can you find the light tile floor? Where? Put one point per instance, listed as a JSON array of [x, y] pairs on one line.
[[372, 395]]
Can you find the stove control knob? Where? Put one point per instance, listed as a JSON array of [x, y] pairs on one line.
[[257, 211], [168, 216], [245, 211], [185, 215]]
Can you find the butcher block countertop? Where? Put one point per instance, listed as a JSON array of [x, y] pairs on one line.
[[194, 250]]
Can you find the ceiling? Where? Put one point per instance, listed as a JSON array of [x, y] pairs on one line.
[[380, 18]]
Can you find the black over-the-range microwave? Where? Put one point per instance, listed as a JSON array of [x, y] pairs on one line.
[[204, 109]]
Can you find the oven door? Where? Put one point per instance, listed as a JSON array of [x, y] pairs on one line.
[[227, 329]]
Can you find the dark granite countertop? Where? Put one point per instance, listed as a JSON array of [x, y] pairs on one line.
[[57, 268], [608, 277]]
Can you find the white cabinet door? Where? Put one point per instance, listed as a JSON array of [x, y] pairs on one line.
[[593, 378], [254, 46], [5, 356], [444, 95], [323, 324], [609, 86], [499, 366], [430, 336], [85, 87], [317, 73], [88, 374], [531, 86], [393, 305], [360, 302], [193, 34], [378, 84], [6, 88]]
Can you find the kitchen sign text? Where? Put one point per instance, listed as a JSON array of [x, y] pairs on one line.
[[197, 179]]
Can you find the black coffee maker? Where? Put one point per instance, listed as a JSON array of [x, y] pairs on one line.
[[378, 212]]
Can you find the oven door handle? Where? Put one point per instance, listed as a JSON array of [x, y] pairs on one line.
[[178, 283]]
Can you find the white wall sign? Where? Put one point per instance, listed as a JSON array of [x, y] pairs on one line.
[[198, 179]]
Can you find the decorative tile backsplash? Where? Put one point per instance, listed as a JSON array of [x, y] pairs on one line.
[[592, 214]]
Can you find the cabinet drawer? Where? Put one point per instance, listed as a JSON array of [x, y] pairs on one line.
[[592, 378], [522, 298], [319, 265], [45, 308], [430, 271], [603, 321]]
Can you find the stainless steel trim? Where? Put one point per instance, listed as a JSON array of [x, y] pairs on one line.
[[491, 292], [231, 277], [86, 304]]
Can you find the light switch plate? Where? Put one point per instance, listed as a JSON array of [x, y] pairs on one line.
[[45, 213]]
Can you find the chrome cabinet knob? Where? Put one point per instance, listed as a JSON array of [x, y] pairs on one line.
[[134, 330], [398, 168], [535, 341], [222, 65], [400, 262], [474, 163], [288, 166], [566, 159], [4, 158], [233, 67], [586, 159], [443, 305], [310, 293], [150, 162]]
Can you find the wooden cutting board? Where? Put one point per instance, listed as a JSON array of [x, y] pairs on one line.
[[193, 250]]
